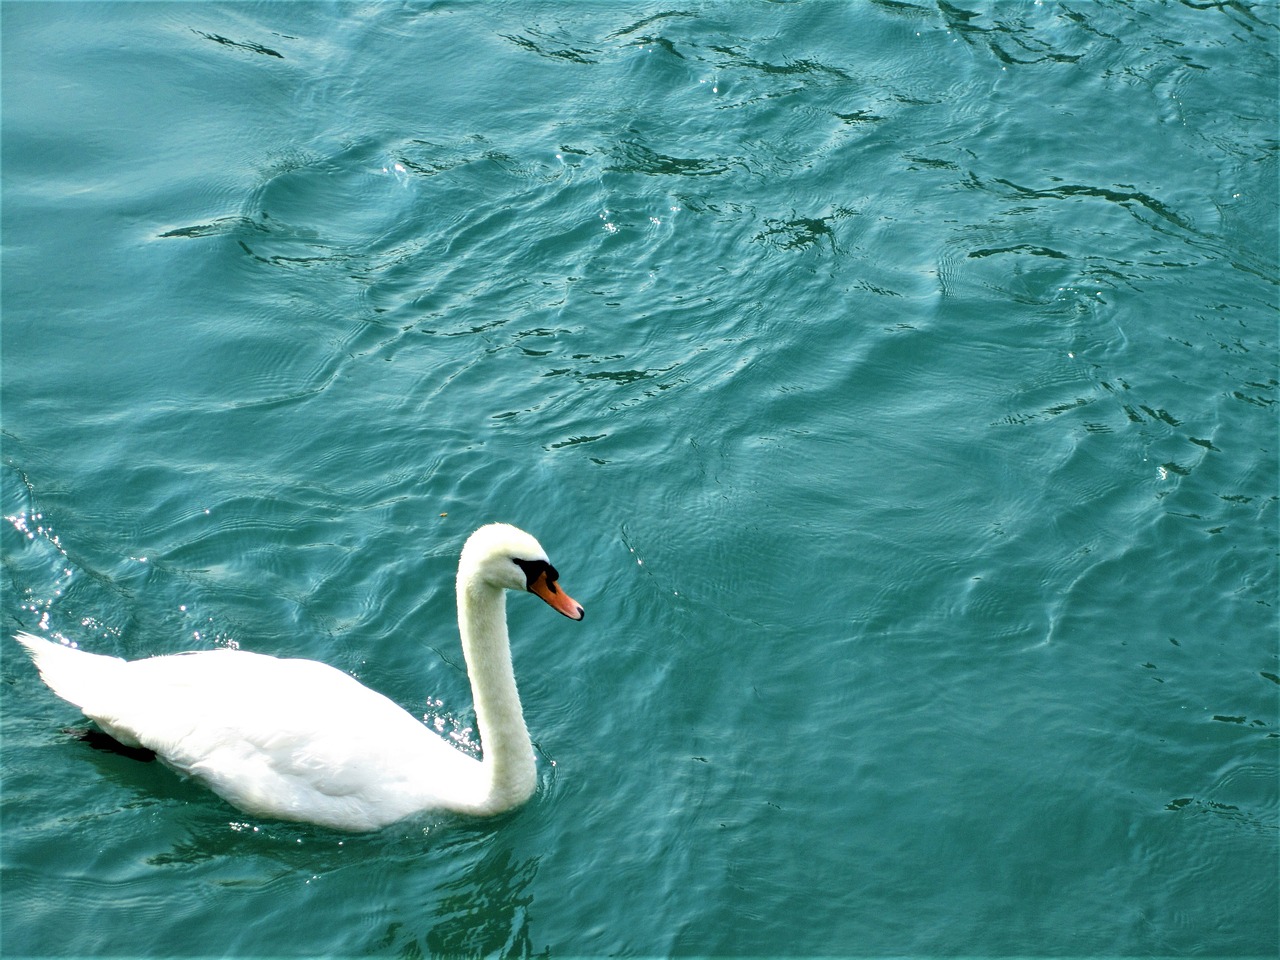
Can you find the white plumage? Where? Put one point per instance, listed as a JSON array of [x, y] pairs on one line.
[[301, 740]]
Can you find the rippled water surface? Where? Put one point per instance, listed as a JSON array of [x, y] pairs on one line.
[[894, 382]]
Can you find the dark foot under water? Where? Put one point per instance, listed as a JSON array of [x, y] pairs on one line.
[[104, 741]]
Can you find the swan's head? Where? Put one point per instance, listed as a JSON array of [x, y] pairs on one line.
[[506, 557]]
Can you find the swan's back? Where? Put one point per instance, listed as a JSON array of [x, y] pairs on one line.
[[292, 739]]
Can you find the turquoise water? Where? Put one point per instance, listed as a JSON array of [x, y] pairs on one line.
[[894, 383]]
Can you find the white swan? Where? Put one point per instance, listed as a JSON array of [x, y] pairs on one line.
[[301, 740]]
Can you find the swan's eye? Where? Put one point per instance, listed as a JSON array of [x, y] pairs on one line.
[[534, 569]]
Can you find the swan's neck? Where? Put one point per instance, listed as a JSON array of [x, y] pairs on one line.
[[508, 752]]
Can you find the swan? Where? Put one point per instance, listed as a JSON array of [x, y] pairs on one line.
[[293, 739]]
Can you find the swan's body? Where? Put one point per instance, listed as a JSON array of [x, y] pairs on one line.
[[301, 740]]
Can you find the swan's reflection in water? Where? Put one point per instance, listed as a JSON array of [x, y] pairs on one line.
[[487, 911], [482, 909]]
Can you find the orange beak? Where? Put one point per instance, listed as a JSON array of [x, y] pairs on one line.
[[556, 598]]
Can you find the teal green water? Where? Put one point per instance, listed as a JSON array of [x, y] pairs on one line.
[[894, 383]]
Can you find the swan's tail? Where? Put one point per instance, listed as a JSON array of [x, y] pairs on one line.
[[75, 675]]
